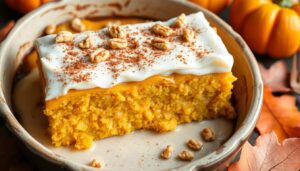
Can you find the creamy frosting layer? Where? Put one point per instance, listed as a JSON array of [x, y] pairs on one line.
[[66, 66]]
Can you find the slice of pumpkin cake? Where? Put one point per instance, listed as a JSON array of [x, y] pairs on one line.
[[119, 79]]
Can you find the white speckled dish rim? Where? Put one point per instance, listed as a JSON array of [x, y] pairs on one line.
[[211, 160]]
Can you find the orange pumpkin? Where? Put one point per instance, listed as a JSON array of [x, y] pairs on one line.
[[296, 7], [215, 6], [268, 27], [24, 6]]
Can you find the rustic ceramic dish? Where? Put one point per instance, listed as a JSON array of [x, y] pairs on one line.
[[247, 92]]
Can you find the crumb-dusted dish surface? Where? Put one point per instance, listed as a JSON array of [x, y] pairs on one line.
[[147, 76]]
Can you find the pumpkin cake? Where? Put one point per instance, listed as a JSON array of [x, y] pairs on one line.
[[151, 76]]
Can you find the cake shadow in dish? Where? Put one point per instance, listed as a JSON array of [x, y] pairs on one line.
[[138, 150]]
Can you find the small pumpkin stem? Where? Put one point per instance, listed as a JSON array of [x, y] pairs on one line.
[[284, 3]]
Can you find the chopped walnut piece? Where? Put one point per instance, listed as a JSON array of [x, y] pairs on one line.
[[116, 31], [95, 164], [161, 44], [167, 152], [186, 155], [117, 43], [188, 35], [50, 29], [86, 43], [208, 134], [99, 55], [180, 21], [64, 37], [194, 144], [77, 25], [162, 30]]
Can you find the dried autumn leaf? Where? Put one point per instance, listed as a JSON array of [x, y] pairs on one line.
[[277, 76], [279, 114], [268, 154], [5, 30]]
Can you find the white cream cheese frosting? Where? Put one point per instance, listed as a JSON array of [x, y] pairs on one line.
[[66, 66]]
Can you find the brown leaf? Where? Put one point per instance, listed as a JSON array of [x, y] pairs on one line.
[[268, 154], [277, 76], [5, 30], [279, 114]]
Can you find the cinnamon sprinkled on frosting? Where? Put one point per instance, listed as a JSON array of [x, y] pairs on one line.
[[131, 58]]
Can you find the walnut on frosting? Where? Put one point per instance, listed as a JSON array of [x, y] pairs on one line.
[[64, 37], [99, 55], [180, 21], [50, 29], [188, 35], [116, 31], [161, 44], [77, 25], [86, 43], [162, 30], [117, 43]]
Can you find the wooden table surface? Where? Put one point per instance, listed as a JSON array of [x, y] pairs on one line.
[[11, 153]]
